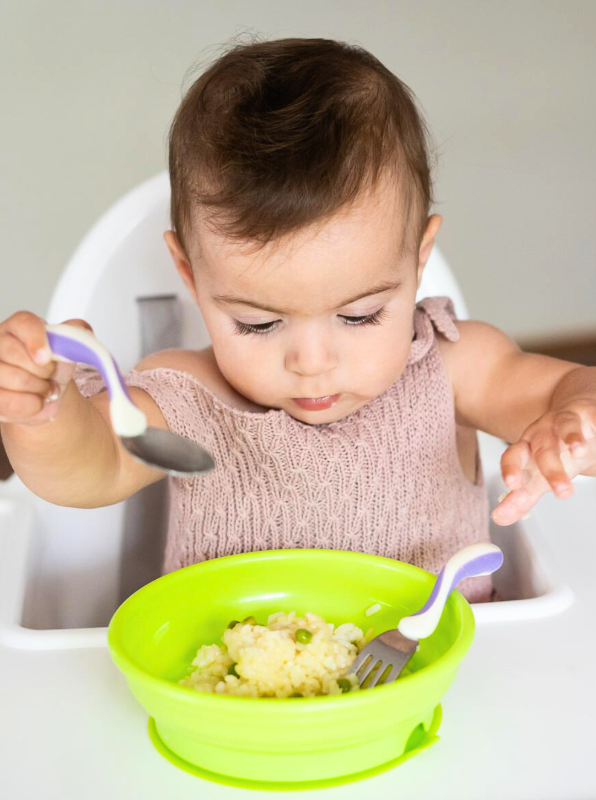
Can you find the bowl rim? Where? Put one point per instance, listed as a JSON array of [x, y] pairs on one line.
[[447, 662]]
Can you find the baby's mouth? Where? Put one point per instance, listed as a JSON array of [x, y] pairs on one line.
[[316, 403]]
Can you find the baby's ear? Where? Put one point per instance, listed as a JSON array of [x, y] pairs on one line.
[[181, 261], [432, 228], [174, 246]]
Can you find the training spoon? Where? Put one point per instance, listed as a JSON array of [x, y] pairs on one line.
[[156, 447]]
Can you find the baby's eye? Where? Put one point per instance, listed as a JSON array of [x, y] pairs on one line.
[[243, 328], [367, 319]]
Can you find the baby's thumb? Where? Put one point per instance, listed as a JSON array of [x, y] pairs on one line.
[[78, 323]]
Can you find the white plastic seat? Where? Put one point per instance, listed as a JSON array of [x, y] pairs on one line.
[[87, 560]]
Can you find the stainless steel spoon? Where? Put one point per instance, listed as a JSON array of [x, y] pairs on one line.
[[158, 448]]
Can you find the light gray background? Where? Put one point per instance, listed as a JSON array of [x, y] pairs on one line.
[[88, 90]]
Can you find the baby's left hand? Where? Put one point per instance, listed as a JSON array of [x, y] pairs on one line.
[[549, 454]]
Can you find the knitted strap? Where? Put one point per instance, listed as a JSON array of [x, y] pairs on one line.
[[432, 313]]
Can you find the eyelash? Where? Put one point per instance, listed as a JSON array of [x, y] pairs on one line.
[[263, 328]]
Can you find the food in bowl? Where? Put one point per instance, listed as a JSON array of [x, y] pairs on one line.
[[290, 656]]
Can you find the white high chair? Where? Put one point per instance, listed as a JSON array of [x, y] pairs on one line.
[[85, 561]]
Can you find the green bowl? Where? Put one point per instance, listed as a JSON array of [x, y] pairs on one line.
[[296, 742]]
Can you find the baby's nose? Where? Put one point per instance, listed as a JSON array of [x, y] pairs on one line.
[[311, 357]]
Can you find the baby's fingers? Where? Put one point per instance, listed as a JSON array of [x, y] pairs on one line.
[[568, 427], [16, 379], [545, 447], [25, 344], [19, 406], [513, 463], [515, 505]]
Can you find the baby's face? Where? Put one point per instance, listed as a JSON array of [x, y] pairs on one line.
[[320, 325]]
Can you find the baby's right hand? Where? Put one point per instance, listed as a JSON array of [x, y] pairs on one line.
[[31, 384]]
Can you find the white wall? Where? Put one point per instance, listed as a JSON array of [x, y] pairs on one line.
[[88, 89]]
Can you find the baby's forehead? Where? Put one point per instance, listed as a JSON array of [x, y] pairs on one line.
[[366, 237], [309, 275]]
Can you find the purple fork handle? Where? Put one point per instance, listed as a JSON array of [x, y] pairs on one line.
[[480, 565]]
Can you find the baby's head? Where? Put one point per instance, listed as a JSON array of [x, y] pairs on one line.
[[301, 193]]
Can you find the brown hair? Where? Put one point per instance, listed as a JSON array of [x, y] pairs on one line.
[[276, 135]]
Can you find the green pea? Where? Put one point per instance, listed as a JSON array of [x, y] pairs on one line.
[[296, 694], [249, 621], [232, 671], [233, 623], [303, 636], [345, 685]]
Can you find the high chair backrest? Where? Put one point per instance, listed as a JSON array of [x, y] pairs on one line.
[[121, 263]]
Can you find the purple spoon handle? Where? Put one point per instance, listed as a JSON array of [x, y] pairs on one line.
[[76, 351], [74, 344]]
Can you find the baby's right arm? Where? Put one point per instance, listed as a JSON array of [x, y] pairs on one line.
[[64, 450]]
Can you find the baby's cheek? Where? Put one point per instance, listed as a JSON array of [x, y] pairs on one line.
[[377, 366], [252, 374]]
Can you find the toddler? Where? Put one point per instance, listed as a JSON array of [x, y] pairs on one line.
[[340, 413]]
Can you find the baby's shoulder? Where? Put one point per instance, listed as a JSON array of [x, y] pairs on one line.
[[194, 362], [474, 338], [201, 365], [479, 360]]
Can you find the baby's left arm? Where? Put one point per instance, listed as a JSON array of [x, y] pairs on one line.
[[544, 407]]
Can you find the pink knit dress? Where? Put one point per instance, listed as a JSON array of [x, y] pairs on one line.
[[384, 480]]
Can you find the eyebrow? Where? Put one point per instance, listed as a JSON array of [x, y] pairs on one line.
[[228, 298]]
